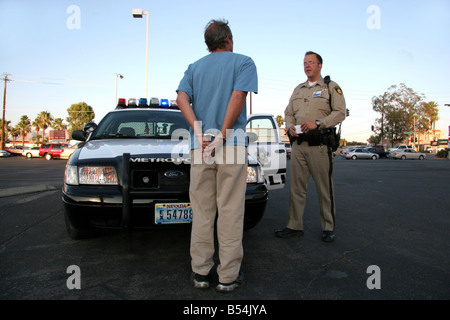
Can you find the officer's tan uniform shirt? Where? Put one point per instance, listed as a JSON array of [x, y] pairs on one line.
[[310, 103]]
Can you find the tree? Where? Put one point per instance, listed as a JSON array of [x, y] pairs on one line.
[[59, 125], [402, 110], [14, 132], [279, 119], [37, 124], [45, 119], [24, 127], [431, 110], [79, 114]]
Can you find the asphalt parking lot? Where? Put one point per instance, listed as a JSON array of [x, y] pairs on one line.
[[391, 243]]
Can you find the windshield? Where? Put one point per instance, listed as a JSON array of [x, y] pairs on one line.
[[140, 124]]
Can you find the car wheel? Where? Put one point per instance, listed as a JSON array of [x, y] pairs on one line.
[[374, 157], [77, 227], [421, 157], [353, 157], [29, 155], [48, 156], [403, 157]]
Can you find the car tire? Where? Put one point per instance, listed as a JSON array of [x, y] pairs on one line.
[[354, 157], [403, 157], [29, 155], [48, 156], [374, 158], [77, 227], [421, 157]]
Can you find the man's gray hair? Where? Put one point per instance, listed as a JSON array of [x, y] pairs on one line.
[[216, 32]]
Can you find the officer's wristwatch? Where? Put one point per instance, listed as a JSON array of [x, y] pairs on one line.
[[318, 123]]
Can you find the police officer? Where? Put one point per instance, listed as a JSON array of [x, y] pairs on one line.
[[309, 117]]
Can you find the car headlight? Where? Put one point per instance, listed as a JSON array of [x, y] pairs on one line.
[[70, 175], [254, 174], [90, 175]]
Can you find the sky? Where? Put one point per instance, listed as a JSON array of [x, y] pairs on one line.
[[61, 52]]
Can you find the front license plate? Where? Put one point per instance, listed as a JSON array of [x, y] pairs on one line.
[[173, 213]]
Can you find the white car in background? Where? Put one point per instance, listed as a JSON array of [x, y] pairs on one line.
[[407, 154], [4, 153], [31, 152]]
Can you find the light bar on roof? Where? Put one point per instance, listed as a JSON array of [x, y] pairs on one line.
[[154, 103]]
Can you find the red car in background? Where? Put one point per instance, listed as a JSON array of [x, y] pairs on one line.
[[15, 150], [51, 150]]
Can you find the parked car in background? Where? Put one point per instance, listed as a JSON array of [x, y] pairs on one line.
[[408, 154], [31, 152], [4, 153], [378, 150], [360, 153], [398, 147], [51, 150], [67, 152], [15, 150]]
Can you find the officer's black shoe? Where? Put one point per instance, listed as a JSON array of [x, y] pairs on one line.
[[200, 281], [328, 236], [286, 233], [228, 287]]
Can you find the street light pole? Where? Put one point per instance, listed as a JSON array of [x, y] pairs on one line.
[[138, 13]]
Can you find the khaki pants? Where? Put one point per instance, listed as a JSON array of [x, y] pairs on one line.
[[314, 161], [218, 188]]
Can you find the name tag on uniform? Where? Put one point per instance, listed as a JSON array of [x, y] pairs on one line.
[[317, 94]]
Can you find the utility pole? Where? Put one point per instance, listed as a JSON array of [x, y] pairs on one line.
[[3, 118]]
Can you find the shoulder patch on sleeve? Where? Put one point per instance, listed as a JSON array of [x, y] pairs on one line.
[[338, 90]]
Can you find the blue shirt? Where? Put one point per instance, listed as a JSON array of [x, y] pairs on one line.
[[209, 83]]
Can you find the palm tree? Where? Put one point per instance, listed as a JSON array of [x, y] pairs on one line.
[[59, 125], [14, 133], [24, 127], [46, 120], [37, 124]]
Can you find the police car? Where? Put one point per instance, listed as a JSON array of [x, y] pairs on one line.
[[132, 171]]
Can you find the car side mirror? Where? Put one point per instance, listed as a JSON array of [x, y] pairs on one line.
[[79, 135]]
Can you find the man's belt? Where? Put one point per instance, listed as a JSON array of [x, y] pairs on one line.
[[317, 137]]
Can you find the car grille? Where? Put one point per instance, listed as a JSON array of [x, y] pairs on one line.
[[159, 176]]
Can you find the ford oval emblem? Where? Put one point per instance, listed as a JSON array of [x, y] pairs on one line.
[[173, 174]]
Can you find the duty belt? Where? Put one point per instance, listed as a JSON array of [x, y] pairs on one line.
[[317, 137]]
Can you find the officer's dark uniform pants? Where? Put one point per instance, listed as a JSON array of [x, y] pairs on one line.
[[312, 161]]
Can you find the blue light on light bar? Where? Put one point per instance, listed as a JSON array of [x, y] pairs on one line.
[[164, 103], [143, 102]]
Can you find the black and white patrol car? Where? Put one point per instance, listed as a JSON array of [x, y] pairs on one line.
[[132, 171]]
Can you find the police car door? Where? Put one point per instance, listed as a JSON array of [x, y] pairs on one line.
[[268, 149]]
